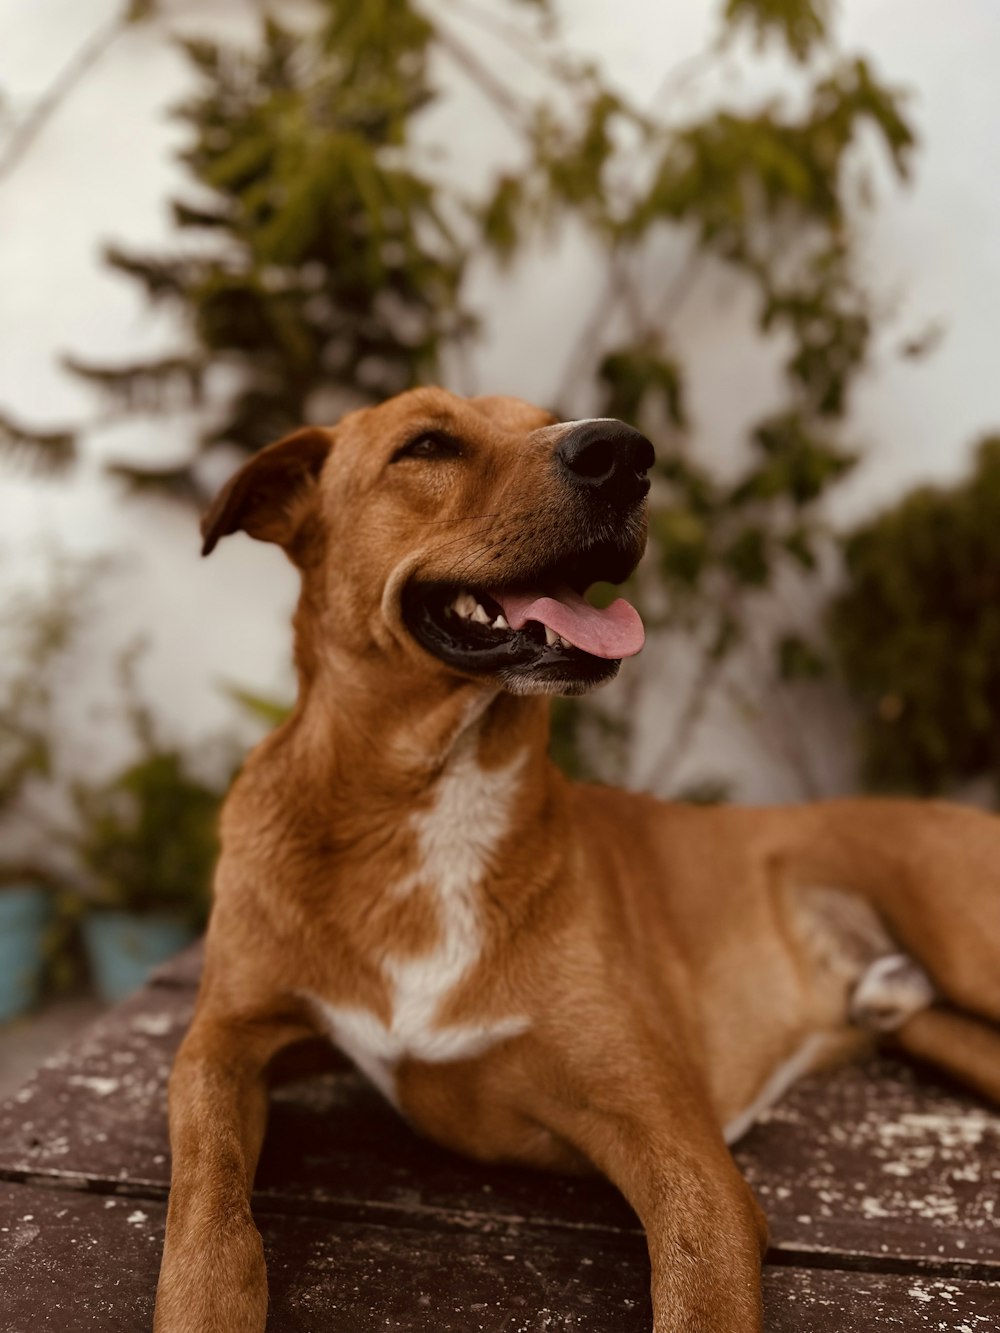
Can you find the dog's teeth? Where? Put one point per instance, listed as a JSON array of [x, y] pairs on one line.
[[465, 604], [565, 643], [480, 616], [551, 637], [500, 623]]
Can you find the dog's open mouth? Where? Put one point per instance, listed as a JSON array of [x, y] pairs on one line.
[[538, 636]]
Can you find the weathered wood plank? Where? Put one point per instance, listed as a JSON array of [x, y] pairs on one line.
[[73, 1262], [183, 970], [876, 1160], [871, 1163], [97, 1108], [98, 1111], [80, 1263]]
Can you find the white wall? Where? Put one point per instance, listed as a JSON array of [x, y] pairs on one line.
[[102, 169]]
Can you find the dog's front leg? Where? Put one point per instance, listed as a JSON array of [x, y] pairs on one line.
[[212, 1278], [653, 1135]]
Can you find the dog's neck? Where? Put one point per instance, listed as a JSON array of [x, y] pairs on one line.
[[394, 733]]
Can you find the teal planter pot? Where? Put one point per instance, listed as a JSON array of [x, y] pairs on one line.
[[124, 947], [25, 912]]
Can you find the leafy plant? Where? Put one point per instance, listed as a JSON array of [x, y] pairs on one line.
[[917, 633], [38, 629], [147, 839], [262, 708], [325, 260]]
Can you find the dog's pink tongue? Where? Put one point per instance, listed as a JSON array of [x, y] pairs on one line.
[[617, 631]]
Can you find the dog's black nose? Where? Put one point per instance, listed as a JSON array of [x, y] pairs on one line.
[[607, 456]]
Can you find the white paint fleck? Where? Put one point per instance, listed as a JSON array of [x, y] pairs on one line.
[[152, 1025], [104, 1087], [956, 1130]]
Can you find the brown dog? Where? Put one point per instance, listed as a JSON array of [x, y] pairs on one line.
[[532, 970]]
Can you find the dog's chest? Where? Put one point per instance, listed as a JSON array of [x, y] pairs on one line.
[[457, 839]]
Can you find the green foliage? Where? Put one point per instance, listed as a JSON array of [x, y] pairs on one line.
[[37, 630], [799, 660], [324, 251], [638, 380], [262, 708], [147, 837], [565, 738], [798, 463], [772, 193], [322, 256], [148, 840], [800, 24], [917, 633]]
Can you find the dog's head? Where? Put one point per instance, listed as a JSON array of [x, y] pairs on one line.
[[462, 532]]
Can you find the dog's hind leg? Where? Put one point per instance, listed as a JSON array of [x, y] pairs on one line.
[[931, 871], [964, 1047], [895, 999]]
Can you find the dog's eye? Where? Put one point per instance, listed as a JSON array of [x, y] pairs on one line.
[[431, 444]]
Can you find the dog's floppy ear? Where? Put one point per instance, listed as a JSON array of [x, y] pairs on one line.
[[267, 497]]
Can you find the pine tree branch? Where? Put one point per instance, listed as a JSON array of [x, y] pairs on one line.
[[48, 451], [178, 482]]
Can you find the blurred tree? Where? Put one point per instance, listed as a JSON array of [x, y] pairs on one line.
[[325, 261], [325, 257], [917, 634], [49, 451]]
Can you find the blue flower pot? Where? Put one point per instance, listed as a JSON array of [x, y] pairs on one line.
[[124, 947], [25, 912]]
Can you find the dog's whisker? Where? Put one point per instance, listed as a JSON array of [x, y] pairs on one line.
[[462, 518]]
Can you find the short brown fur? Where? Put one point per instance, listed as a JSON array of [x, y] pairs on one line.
[[668, 958]]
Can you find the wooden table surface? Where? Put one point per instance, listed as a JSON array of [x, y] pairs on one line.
[[882, 1188]]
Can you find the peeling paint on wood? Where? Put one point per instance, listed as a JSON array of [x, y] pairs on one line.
[[86, 1263], [867, 1161], [881, 1188], [876, 1160]]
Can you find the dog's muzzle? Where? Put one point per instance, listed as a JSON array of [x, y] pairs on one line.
[[520, 615]]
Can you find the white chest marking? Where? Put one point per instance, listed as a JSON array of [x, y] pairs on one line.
[[456, 840]]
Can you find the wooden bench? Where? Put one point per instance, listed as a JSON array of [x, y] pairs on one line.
[[883, 1191]]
